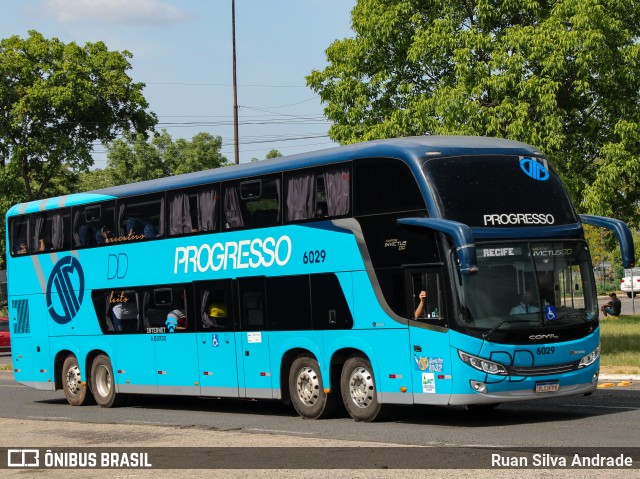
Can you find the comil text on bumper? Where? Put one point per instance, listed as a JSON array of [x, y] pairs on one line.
[[233, 255]]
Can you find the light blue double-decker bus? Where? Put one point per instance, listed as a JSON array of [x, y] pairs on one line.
[[427, 270]]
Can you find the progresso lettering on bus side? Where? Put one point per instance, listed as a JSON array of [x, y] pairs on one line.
[[233, 255]]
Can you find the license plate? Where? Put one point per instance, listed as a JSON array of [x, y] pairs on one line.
[[547, 387]]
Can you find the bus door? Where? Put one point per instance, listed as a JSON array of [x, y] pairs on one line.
[[170, 323], [429, 341], [216, 339], [255, 379]]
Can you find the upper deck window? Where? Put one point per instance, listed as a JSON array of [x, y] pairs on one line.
[[252, 203], [140, 218], [384, 185], [49, 231], [194, 210], [499, 191], [313, 194]]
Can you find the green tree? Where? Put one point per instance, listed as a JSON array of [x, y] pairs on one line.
[[56, 101], [273, 154], [138, 159], [563, 75]]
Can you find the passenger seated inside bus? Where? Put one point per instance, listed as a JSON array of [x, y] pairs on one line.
[[125, 315], [176, 319], [21, 247], [102, 235], [87, 235]]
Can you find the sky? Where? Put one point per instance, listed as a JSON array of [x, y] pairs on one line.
[[182, 51]]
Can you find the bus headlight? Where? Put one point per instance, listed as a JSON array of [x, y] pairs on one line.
[[590, 358], [483, 365]]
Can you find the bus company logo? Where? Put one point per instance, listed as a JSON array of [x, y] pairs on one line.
[[60, 288], [534, 169]]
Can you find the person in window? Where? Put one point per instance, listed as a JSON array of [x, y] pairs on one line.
[[103, 235], [420, 310], [176, 319], [125, 316], [21, 248], [525, 306], [613, 307]]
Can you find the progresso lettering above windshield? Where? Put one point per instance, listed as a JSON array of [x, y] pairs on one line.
[[518, 219], [241, 254]]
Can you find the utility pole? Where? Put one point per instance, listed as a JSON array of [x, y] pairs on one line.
[[235, 85]]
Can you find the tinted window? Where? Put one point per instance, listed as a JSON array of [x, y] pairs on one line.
[[117, 310], [19, 235], [50, 230], [140, 218], [215, 305], [289, 303], [93, 225], [252, 203], [315, 194], [329, 307], [384, 185], [166, 308], [499, 191], [194, 210], [253, 312]]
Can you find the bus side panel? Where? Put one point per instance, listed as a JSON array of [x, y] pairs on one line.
[[282, 342], [177, 363], [31, 361], [134, 368], [431, 366], [383, 340]]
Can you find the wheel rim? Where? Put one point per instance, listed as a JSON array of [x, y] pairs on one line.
[[361, 387], [74, 383], [308, 386], [103, 381]]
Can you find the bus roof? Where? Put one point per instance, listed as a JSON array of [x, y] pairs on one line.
[[409, 149]]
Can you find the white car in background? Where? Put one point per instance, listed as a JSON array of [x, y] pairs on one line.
[[630, 284]]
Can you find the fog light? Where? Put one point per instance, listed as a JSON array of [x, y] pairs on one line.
[[595, 378], [478, 386]]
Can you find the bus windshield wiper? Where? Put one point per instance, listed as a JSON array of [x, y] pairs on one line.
[[486, 334]]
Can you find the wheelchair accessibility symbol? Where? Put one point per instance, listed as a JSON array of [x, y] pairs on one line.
[[215, 341], [550, 312]]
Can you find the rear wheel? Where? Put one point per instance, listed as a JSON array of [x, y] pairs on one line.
[[629, 295], [306, 389], [359, 392], [103, 384], [76, 392]]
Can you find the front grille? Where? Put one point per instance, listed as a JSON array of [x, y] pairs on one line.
[[543, 370]]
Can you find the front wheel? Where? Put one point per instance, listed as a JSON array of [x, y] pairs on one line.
[[102, 383], [76, 392], [306, 389], [359, 392]]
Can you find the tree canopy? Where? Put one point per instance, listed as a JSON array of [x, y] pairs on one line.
[[563, 75], [138, 159], [56, 101]]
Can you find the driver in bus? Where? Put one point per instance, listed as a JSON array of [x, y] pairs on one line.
[[525, 306], [419, 313]]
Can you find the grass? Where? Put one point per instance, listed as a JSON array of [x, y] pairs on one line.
[[620, 344]]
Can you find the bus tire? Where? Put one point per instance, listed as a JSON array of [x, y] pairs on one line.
[[359, 392], [103, 383], [306, 389], [76, 392]]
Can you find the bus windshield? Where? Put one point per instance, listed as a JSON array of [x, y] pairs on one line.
[[526, 285]]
